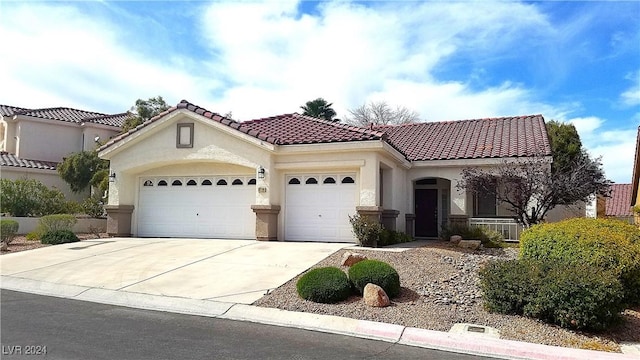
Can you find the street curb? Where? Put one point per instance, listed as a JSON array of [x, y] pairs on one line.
[[430, 339], [316, 322]]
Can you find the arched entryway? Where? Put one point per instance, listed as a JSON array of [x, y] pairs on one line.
[[431, 206]]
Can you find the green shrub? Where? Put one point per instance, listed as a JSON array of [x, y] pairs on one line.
[[29, 197], [508, 285], [489, 238], [366, 230], [324, 285], [375, 272], [391, 237], [8, 229], [607, 245], [580, 297], [56, 222], [56, 237], [34, 235], [93, 207]]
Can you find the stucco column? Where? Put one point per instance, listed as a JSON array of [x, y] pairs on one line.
[[266, 221], [410, 220], [389, 218], [373, 212], [119, 220], [370, 182]]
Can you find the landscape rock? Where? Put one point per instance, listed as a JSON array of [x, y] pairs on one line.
[[470, 244], [374, 295], [349, 259], [455, 239], [3, 246]]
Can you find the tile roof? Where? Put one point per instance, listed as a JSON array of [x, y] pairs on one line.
[[618, 203], [279, 130], [7, 159], [68, 115], [7, 110], [470, 139], [464, 139], [294, 128]]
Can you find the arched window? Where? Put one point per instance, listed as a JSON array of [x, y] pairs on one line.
[[192, 183], [206, 182], [294, 181], [222, 182], [237, 182], [329, 180], [347, 180], [162, 183], [252, 182], [176, 183], [311, 180], [148, 183]]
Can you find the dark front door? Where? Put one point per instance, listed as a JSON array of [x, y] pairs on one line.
[[426, 211]]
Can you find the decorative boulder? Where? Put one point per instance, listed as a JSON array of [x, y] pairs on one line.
[[374, 295], [3, 246], [455, 239], [470, 244], [349, 259]]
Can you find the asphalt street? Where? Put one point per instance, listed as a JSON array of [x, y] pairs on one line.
[[57, 328]]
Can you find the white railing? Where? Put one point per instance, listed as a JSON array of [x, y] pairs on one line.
[[509, 228]]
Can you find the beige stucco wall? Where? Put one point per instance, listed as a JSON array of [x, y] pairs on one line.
[[48, 141], [90, 132], [50, 178]]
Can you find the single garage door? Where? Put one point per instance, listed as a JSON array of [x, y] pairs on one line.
[[318, 207], [199, 207]]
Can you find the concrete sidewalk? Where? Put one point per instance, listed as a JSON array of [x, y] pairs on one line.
[[220, 278]]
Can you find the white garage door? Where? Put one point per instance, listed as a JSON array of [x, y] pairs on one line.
[[199, 207], [318, 207]]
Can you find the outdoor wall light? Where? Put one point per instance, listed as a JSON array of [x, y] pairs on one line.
[[260, 172], [112, 177]]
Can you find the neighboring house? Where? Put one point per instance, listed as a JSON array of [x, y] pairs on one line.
[[35, 141], [190, 172], [635, 182], [616, 206]]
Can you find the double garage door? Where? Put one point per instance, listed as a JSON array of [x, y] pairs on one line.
[[318, 207], [199, 207]]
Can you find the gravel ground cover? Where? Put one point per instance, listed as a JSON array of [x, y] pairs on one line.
[[440, 287]]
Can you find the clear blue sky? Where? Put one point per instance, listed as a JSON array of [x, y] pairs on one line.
[[575, 62]]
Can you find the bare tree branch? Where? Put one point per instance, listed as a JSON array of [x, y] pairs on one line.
[[380, 113]]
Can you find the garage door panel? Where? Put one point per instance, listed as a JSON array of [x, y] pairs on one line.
[[204, 211], [319, 212]]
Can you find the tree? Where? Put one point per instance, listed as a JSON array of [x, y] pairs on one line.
[[565, 144], [143, 111], [380, 113], [531, 186], [319, 108], [83, 169]]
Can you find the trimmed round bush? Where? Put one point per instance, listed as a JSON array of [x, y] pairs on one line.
[[375, 272], [56, 237], [608, 245], [324, 285]]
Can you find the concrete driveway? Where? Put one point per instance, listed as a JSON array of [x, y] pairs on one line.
[[235, 271]]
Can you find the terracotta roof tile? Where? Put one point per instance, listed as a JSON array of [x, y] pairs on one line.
[[7, 159], [469, 139], [618, 203], [294, 128]]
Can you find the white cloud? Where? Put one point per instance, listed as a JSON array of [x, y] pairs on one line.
[[616, 146], [631, 97], [56, 56]]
